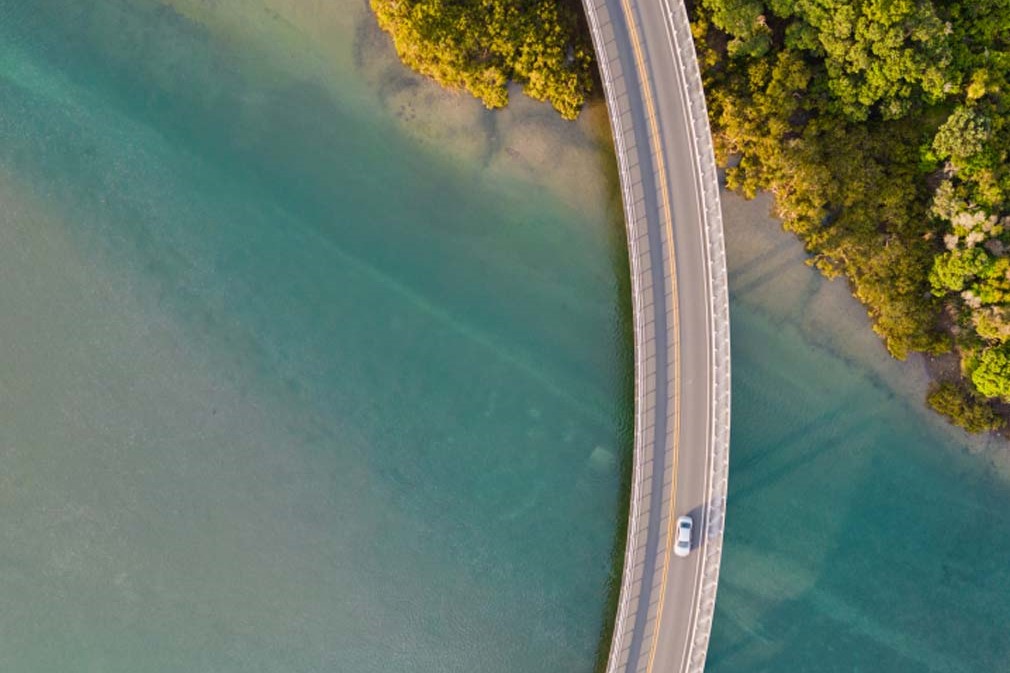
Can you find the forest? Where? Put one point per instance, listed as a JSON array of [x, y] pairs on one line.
[[482, 45], [881, 128]]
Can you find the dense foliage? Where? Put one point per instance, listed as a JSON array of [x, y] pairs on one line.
[[962, 406], [481, 45], [882, 129]]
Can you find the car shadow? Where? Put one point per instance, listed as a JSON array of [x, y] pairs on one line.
[[697, 513]]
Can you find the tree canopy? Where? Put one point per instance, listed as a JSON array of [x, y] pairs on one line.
[[482, 45], [964, 407], [992, 375], [882, 128]]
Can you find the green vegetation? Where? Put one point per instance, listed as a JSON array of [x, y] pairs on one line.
[[481, 45], [882, 128], [965, 408], [991, 375]]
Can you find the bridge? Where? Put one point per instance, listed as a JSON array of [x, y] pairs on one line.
[[670, 192]]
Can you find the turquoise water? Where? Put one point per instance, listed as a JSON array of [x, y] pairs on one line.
[[861, 535], [285, 388], [308, 366]]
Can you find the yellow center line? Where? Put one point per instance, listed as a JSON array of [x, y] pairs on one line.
[[668, 222]]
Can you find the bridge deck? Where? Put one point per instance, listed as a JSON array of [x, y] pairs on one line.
[[681, 316]]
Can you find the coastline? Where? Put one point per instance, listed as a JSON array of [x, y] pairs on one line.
[[769, 272]]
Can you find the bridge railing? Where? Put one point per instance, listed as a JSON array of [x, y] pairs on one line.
[[704, 156], [641, 338]]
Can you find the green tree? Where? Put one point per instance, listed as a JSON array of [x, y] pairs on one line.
[[964, 408], [992, 374], [953, 269], [744, 20], [962, 136], [481, 45], [882, 129]]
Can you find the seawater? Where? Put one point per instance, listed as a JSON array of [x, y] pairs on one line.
[[863, 533], [289, 381], [306, 365]]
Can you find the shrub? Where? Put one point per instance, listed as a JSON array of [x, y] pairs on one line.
[[964, 408]]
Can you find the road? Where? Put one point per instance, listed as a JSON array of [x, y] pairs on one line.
[[670, 191]]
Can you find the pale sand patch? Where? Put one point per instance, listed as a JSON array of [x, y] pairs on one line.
[[575, 160], [526, 141], [451, 123]]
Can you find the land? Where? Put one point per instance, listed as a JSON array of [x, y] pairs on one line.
[[882, 131]]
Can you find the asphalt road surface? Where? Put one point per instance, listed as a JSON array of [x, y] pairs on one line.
[[662, 620]]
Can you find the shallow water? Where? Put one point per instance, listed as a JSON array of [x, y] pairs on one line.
[[306, 365], [862, 535], [285, 387]]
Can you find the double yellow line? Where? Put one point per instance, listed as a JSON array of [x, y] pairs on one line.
[[660, 164]]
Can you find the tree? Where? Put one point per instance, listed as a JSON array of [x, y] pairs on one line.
[[953, 269], [882, 129], [480, 45], [993, 323], [964, 408], [744, 20], [962, 136], [992, 375]]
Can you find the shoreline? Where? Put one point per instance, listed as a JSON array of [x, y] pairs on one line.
[[769, 274]]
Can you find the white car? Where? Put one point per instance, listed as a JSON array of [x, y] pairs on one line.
[[684, 526]]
